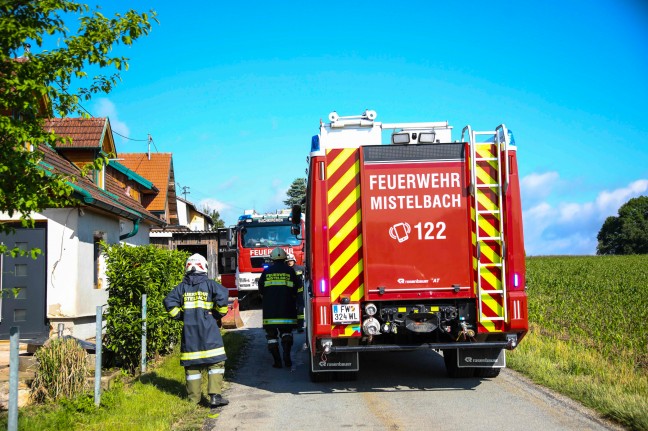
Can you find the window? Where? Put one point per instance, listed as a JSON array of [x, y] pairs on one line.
[[99, 177], [99, 261]]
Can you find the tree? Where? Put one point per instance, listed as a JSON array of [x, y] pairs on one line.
[[215, 216], [296, 193], [626, 233], [52, 82]]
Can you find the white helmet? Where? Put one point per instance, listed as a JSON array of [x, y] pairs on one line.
[[290, 257], [278, 254], [196, 263]]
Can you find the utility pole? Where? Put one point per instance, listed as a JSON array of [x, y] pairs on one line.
[[185, 191]]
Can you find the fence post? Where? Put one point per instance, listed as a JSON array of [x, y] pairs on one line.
[[14, 352], [98, 349], [143, 333]]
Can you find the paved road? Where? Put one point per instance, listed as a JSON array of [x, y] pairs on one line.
[[395, 391]]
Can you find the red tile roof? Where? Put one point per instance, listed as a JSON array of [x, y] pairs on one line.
[[113, 200], [85, 133], [158, 169]]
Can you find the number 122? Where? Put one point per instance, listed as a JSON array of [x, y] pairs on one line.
[[429, 230]]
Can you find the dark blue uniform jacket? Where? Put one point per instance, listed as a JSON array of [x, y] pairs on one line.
[[279, 285], [200, 303]]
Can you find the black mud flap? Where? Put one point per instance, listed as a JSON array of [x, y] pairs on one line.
[[481, 358], [342, 361]]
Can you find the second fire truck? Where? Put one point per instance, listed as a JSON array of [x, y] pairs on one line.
[[246, 247]]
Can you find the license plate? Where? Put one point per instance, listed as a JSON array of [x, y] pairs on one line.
[[346, 313]]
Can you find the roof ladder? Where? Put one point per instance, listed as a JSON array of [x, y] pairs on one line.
[[488, 184]]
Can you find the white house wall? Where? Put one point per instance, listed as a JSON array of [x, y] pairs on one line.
[[72, 297], [182, 213], [142, 237]]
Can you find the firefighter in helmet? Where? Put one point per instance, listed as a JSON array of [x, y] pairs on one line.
[[200, 303], [278, 286], [299, 270]]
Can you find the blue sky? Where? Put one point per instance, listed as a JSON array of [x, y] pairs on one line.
[[235, 90]]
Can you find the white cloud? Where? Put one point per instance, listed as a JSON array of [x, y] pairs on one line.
[[214, 204], [227, 213], [536, 187], [570, 228], [105, 108]]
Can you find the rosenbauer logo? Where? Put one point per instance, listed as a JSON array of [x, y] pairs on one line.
[[415, 281], [325, 364], [470, 359]]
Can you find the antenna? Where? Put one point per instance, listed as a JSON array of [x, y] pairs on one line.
[[185, 191]]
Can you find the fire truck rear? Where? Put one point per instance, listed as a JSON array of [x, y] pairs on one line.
[[413, 244]]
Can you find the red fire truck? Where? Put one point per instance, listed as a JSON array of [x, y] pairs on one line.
[[244, 248], [412, 244]]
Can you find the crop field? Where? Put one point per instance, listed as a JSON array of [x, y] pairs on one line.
[[588, 321], [600, 301]]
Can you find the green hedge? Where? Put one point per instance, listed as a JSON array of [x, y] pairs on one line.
[[132, 272]]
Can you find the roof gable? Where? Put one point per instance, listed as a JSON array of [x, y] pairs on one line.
[[158, 168], [85, 133]]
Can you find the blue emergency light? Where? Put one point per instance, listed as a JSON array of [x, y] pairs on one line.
[[315, 143]]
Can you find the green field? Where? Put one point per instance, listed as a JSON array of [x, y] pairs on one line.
[[589, 332]]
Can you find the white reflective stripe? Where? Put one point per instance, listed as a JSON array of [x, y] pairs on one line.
[[194, 376], [188, 356], [199, 304], [279, 283], [273, 341], [286, 335], [217, 371]]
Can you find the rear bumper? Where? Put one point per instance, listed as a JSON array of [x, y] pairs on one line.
[[434, 346]]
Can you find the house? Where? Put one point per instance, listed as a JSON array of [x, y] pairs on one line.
[[157, 167], [67, 282], [192, 217], [187, 228]]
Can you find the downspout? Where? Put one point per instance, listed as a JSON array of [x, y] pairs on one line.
[[131, 233]]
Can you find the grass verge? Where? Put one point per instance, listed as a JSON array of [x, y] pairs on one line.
[[613, 386], [153, 401]]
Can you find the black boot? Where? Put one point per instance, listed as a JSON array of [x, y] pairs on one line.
[[217, 401], [274, 350], [286, 344]]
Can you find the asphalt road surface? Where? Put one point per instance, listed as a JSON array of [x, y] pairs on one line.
[[395, 391]]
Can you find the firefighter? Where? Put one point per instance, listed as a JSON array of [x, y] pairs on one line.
[[278, 286], [200, 303], [299, 270]]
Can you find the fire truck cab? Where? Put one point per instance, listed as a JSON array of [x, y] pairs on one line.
[[415, 243], [246, 247]]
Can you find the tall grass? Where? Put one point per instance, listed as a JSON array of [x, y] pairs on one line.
[[588, 338], [154, 401], [62, 371]]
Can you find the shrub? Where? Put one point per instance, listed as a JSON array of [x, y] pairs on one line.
[[62, 370], [132, 272]]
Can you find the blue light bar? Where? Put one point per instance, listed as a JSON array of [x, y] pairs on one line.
[[245, 217], [315, 143]]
